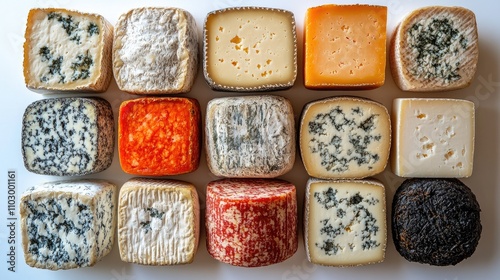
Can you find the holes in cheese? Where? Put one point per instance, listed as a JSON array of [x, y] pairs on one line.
[[345, 47]]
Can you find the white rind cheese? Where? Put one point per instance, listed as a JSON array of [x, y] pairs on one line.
[[435, 48], [344, 137], [159, 222], [67, 51], [67, 224], [250, 136], [155, 51], [345, 222], [433, 137]]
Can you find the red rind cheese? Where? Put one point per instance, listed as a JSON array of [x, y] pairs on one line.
[[251, 222], [159, 136]]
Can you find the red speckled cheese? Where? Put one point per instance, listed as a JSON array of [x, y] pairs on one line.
[[251, 222]]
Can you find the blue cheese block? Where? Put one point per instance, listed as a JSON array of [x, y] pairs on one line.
[[158, 222], [345, 138], [67, 224], [67, 50], [345, 222], [68, 136], [250, 136]]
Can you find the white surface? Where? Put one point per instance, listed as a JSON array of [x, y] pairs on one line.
[[484, 92]]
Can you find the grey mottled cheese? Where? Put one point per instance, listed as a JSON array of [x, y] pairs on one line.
[[250, 136], [345, 137], [435, 48], [155, 51], [158, 222], [68, 136], [345, 222], [67, 50], [67, 224]]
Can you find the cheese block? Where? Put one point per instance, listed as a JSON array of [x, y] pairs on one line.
[[345, 47], [67, 50], [68, 136], [344, 137], [251, 222], [155, 51], [158, 221], [67, 224], [433, 137], [435, 49], [250, 49], [345, 222], [250, 136], [159, 136]]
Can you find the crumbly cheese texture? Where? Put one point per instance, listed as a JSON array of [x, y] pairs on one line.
[[345, 222], [435, 48], [433, 137], [67, 51], [155, 51], [345, 46], [345, 137], [67, 224], [250, 49], [250, 136], [68, 136], [158, 222]]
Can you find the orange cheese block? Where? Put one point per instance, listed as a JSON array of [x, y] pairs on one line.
[[159, 136], [345, 47]]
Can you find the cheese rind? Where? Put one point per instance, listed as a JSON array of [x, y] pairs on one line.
[[67, 224], [345, 47], [433, 137], [250, 136], [155, 51], [68, 136], [250, 49], [344, 137], [345, 222], [67, 50], [435, 48], [158, 222]]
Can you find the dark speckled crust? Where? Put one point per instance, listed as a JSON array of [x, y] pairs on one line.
[[435, 221], [57, 132]]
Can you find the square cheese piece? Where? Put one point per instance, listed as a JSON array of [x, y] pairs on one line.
[[159, 136], [345, 47], [155, 51], [345, 222], [250, 49], [158, 222], [68, 136], [345, 137], [68, 224], [250, 136], [435, 48], [67, 50], [433, 137]]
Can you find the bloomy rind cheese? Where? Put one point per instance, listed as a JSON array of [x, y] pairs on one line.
[[99, 79], [181, 249], [264, 87], [403, 60], [157, 74]]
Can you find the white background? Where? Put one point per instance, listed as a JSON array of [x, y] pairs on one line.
[[484, 92]]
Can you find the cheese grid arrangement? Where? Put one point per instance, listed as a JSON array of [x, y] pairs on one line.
[[236, 166]]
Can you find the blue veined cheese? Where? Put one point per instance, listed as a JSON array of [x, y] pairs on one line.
[[67, 50], [67, 224], [345, 222], [68, 136], [345, 137], [250, 136], [155, 51], [158, 222]]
